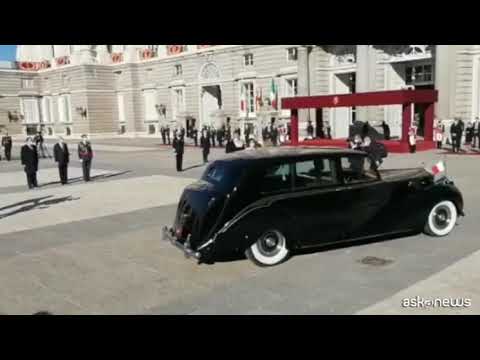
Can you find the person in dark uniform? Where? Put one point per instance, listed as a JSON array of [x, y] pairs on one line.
[[85, 154], [62, 158], [164, 136], [29, 159], [456, 133], [469, 133], [167, 133], [195, 136], [247, 134], [476, 133], [310, 130], [213, 134], [274, 135], [179, 146], [220, 135], [7, 145], [386, 130], [205, 144], [182, 132], [329, 131]]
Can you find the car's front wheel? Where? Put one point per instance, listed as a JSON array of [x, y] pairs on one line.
[[441, 219], [270, 249]]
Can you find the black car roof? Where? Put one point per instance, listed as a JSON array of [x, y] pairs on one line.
[[285, 152]]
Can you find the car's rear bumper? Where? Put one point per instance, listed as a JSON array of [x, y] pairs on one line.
[[169, 235]]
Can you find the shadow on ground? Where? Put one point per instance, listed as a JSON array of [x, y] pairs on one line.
[[37, 203], [92, 178]]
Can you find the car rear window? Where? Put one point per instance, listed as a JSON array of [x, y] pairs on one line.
[[223, 175]]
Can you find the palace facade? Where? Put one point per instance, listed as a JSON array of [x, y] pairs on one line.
[[132, 90]]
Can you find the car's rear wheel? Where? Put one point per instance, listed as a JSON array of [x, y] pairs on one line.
[[441, 219], [270, 249]]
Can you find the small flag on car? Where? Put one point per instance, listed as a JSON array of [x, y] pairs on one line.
[[438, 168]]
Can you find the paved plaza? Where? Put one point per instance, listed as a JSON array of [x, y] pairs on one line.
[[96, 248]]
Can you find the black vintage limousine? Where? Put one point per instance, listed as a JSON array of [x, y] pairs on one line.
[[268, 202]]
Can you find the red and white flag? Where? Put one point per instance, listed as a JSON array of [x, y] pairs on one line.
[[438, 168]]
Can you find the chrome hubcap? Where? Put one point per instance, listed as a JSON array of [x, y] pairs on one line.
[[442, 217]]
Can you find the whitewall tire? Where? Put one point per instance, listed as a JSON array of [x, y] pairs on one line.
[[442, 219], [270, 249]]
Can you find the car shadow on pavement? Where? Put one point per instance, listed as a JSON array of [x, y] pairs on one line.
[[32, 204], [353, 243]]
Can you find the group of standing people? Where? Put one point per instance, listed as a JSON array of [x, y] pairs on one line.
[[458, 132], [29, 156]]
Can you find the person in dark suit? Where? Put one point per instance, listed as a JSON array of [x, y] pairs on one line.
[[164, 135], [205, 144], [167, 132], [213, 135], [456, 132], [62, 158], [178, 145], [29, 158], [476, 133], [220, 135], [195, 136], [386, 130], [85, 154], [7, 145], [310, 130]]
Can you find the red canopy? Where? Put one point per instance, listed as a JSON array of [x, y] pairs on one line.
[[406, 98]]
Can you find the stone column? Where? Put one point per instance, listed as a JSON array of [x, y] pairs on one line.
[[103, 56], [365, 78], [303, 84], [131, 52], [444, 81], [83, 54]]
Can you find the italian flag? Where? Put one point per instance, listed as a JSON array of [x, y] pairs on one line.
[[243, 98], [273, 95], [438, 168]]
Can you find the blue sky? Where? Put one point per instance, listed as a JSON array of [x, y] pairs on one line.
[[7, 52]]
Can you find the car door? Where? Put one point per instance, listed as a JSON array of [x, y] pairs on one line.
[[319, 213], [364, 196]]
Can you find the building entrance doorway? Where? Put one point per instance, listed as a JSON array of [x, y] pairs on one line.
[[211, 101]]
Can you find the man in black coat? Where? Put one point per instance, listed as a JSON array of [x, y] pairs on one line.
[[205, 144], [62, 158], [164, 135], [7, 145], [213, 135], [456, 132], [386, 130], [167, 132], [195, 136], [476, 132], [178, 145], [310, 130], [29, 158]]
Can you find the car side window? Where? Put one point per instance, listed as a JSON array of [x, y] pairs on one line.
[[357, 169], [315, 173], [277, 177]]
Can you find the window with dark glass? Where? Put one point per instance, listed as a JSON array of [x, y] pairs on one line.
[[276, 178], [357, 169], [315, 173]]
